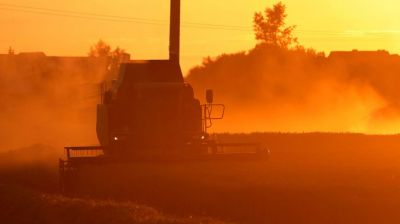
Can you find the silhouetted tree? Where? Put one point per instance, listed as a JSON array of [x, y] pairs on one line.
[[270, 27], [100, 49], [114, 57], [118, 55]]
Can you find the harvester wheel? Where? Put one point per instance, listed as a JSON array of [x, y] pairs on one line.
[[68, 176]]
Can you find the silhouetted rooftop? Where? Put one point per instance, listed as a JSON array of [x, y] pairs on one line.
[[356, 53]]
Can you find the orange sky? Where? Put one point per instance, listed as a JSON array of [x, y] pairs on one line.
[[324, 25]]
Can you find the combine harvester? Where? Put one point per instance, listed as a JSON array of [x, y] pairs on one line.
[[151, 114]]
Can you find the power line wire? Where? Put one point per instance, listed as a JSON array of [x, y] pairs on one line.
[[115, 18], [79, 13], [75, 16], [120, 17], [106, 17]]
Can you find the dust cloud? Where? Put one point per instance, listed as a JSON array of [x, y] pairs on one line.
[[52, 100], [273, 89], [48, 100]]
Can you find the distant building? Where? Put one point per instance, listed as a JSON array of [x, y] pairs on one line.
[[363, 56], [357, 53]]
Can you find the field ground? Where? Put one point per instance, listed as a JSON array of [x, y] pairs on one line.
[[19, 205], [309, 178]]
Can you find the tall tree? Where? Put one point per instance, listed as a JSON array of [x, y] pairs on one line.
[[270, 27], [113, 57]]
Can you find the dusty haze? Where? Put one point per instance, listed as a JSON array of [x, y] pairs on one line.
[[52, 100], [271, 89], [48, 100]]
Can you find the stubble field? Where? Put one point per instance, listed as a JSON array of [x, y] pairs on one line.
[[309, 178]]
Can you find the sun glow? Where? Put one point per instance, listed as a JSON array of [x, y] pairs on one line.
[[335, 25]]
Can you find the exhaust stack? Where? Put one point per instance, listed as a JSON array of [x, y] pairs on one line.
[[174, 36]]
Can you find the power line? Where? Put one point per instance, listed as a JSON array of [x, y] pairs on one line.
[[112, 18], [116, 18], [79, 13], [119, 17], [205, 26], [75, 16], [119, 20]]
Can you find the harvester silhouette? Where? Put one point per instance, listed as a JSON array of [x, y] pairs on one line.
[[150, 114]]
